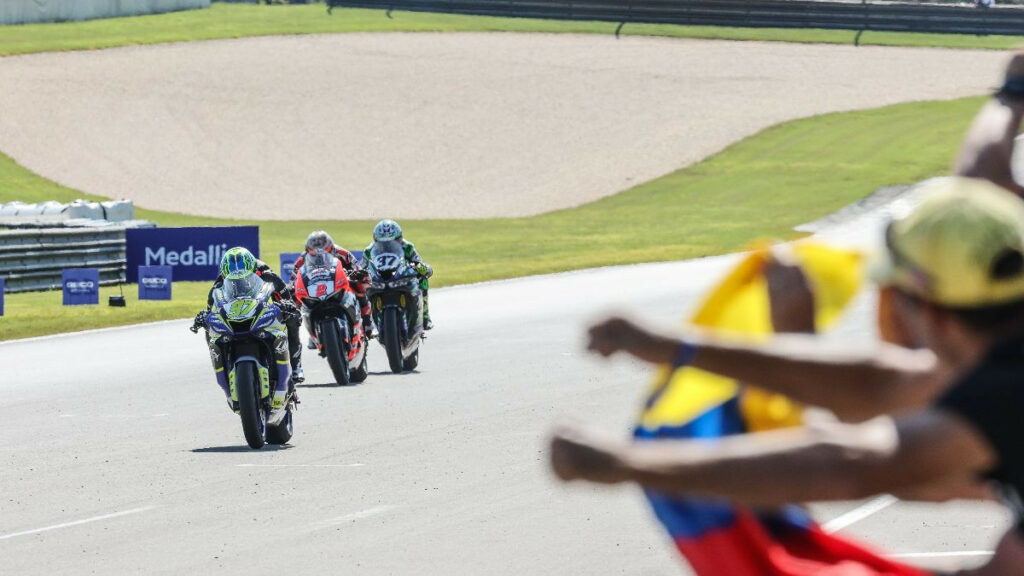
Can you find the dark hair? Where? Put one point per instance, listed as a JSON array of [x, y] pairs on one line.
[[999, 320]]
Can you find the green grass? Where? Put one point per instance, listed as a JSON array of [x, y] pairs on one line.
[[758, 188], [41, 313], [235, 21]]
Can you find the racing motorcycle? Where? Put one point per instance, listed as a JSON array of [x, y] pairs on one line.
[[330, 307], [246, 324], [397, 302]]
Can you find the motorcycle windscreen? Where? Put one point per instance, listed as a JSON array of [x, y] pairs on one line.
[[247, 287], [319, 259]]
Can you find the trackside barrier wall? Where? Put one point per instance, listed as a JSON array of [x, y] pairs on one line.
[[27, 11], [888, 16], [33, 259]]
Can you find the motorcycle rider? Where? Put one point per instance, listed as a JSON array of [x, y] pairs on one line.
[[321, 241], [390, 231], [238, 259]]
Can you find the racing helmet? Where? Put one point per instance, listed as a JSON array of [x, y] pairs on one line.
[[237, 262], [319, 241], [387, 230]]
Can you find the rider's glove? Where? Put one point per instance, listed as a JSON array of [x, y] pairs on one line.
[[422, 269], [199, 322]]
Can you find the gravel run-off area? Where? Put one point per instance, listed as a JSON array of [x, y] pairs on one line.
[[428, 125]]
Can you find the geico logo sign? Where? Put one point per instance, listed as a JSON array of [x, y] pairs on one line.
[[80, 286], [208, 255], [154, 282]]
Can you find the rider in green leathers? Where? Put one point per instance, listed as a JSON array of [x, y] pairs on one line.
[[389, 230]]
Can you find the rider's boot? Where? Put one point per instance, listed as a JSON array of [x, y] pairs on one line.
[[368, 327], [427, 324]]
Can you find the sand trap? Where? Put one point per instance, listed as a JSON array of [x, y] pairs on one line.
[[428, 125]]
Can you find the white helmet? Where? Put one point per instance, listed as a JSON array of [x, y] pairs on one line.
[[387, 230]]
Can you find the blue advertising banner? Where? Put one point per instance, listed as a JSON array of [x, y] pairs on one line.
[[287, 263], [81, 286], [2, 296], [155, 282], [193, 253]]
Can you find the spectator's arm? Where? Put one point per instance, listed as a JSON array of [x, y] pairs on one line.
[[987, 152], [838, 462], [856, 384]]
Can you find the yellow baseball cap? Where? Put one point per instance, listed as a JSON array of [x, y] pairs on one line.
[[962, 247]]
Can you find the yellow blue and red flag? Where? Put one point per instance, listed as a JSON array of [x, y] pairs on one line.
[[719, 538]]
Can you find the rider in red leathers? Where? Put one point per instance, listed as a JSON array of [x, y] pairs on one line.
[[320, 240]]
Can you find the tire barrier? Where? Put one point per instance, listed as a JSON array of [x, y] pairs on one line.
[[34, 259]]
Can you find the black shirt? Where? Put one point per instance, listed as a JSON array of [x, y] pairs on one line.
[[991, 398]]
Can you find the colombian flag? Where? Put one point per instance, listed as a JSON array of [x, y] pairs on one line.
[[718, 538]]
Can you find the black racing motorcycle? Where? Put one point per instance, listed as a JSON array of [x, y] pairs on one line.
[[397, 302]]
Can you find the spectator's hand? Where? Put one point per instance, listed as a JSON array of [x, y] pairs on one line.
[[578, 454], [617, 334], [790, 297], [1015, 68], [1011, 92]]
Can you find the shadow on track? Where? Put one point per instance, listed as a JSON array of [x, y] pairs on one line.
[[328, 385], [242, 448]]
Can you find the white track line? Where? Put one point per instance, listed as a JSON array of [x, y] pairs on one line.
[[353, 465], [859, 513], [78, 522], [942, 554], [351, 517]]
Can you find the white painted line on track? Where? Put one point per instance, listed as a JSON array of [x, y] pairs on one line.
[[78, 522], [859, 513], [942, 554], [353, 465], [376, 510]]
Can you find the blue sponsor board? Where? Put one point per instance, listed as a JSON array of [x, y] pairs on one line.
[[81, 286], [193, 253], [155, 282], [287, 264], [2, 296]]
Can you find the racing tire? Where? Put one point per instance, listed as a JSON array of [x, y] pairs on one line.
[[392, 339], [250, 405], [281, 433], [360, 373], [336, 358], [412, 361]]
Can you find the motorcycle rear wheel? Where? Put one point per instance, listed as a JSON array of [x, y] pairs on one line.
[[281, 433], [359, 374], [412, 361]]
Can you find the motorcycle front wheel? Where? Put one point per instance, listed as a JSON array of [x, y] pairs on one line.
[[250, 405], [392, 338], [336, 357]]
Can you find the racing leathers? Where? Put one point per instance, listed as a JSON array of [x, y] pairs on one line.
[[358, 282], [422, 268]]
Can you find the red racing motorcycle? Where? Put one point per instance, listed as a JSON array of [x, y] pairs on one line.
[[331, 313]]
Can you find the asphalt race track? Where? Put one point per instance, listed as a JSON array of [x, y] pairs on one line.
[[122, 458]]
